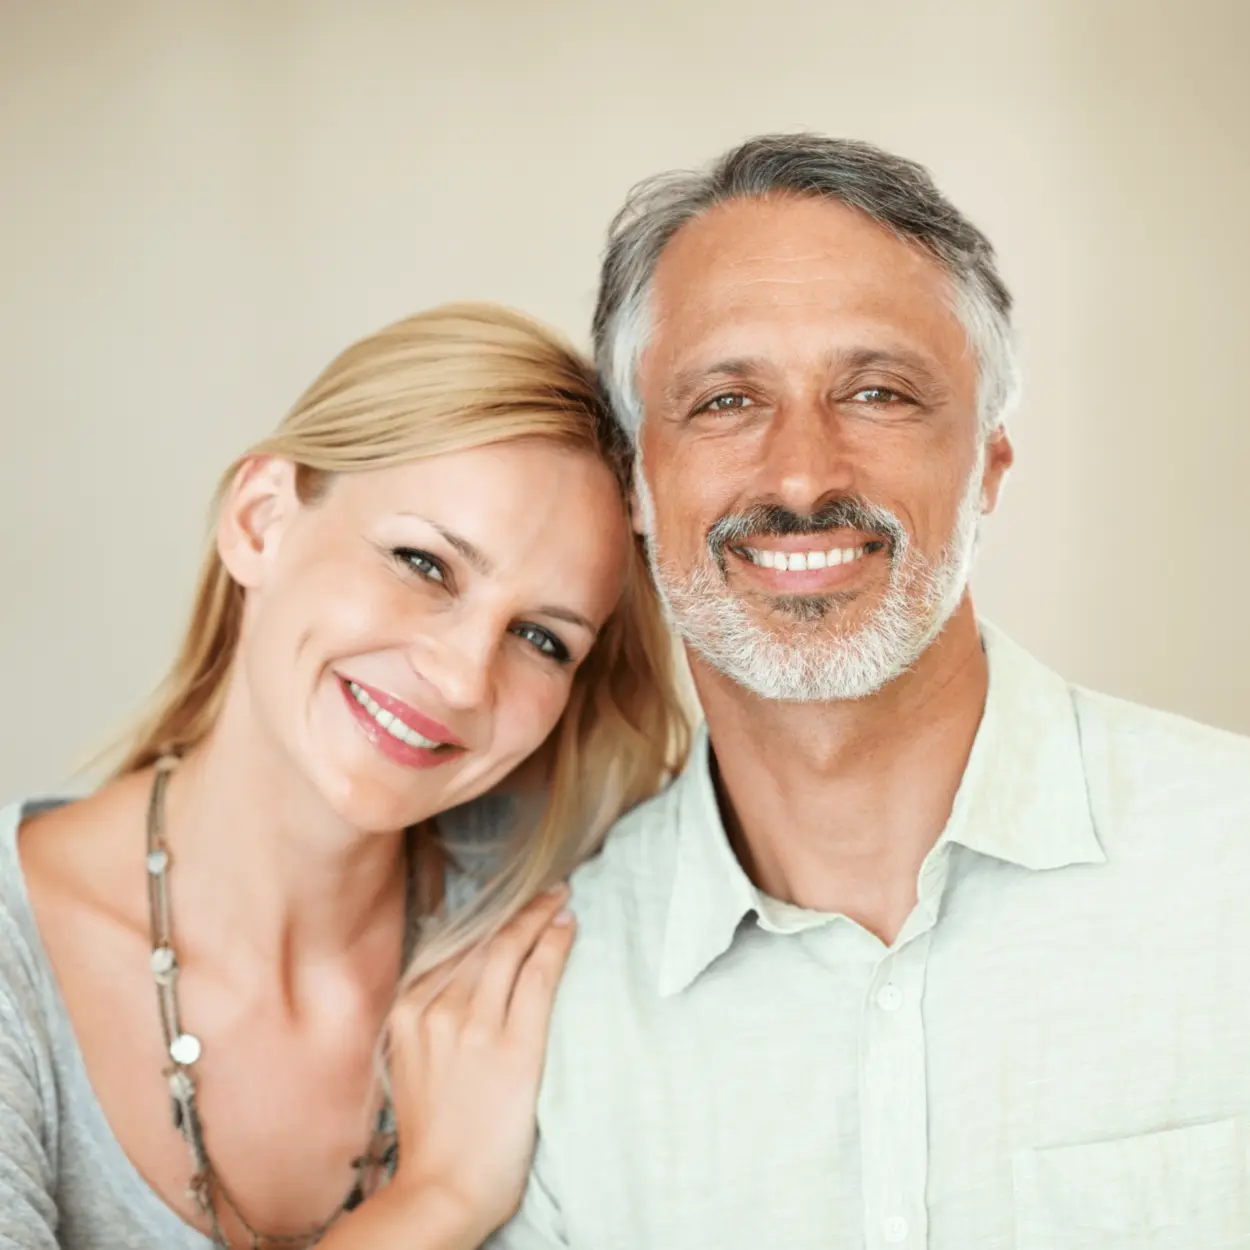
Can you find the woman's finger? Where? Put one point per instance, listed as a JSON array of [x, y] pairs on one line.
[[451, 983], [506, 953], [529, 1012]]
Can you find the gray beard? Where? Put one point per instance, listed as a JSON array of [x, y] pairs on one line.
[[806, 657]]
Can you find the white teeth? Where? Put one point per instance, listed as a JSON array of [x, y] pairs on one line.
[[390, 722], [798, 561]]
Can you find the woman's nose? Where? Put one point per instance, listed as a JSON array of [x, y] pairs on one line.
[[459, 665]]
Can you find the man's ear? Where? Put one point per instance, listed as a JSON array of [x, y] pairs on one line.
[[257, 506], [999, 457]]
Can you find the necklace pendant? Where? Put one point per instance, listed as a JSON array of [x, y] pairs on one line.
[[185, 1049]]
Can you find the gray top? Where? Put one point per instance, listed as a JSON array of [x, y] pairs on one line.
[[64, 1179]]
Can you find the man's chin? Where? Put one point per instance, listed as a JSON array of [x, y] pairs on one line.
[[832, 618]]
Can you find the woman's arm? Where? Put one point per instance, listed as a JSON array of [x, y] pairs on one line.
[[418, 1221], [467, 1052], [28, 1215]]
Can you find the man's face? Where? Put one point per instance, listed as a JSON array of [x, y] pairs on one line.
[[812, 468]]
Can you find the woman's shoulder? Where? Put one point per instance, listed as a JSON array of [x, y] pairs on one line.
[[24, 973], [49, 861]]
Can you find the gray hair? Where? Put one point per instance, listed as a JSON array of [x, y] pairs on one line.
[[898, 194]]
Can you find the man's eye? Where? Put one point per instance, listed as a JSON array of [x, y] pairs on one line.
[[544, 642], [876, 395], [421, 563], [727, 402]]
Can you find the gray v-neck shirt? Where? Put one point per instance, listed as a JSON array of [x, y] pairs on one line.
[[65, 1181]]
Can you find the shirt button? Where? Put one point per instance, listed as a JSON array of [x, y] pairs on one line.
[[895, 1229], [889, 997]]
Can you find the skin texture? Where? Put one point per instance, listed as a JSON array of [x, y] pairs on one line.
[[285, 832], [801, 353]]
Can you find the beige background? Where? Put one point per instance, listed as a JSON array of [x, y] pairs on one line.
[[201, 202]]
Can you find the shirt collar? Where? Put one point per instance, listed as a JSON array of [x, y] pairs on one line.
[[1023, 799], [710, 893], [1024, 796]]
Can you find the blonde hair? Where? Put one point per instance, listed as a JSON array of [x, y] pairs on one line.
[[457, 377]]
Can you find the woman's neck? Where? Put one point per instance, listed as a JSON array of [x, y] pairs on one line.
[[266, 879]]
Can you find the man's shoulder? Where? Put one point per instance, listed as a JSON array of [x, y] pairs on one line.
[[1146, 766], [621, 899], [1134, 733], [637, 858]]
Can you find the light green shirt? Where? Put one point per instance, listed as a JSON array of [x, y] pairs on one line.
[[1053, 1055]]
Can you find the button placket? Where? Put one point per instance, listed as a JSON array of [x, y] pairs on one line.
[[894, 1100]]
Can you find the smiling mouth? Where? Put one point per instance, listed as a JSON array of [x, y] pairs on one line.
[[801, 561], [394, 725]]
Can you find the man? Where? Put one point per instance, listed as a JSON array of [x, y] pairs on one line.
[[926, 947]]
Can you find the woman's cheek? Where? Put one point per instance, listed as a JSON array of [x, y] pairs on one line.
[[532, 707]]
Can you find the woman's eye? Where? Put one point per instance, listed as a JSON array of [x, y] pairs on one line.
[[544, 642], [727, 403], [421, 563]]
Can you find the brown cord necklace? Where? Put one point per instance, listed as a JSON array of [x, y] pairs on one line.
[[206, 1188]]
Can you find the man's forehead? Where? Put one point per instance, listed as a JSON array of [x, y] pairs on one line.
[[797, 267], [789, 242]]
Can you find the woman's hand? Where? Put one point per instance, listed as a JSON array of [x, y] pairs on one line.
[[467, 1050]]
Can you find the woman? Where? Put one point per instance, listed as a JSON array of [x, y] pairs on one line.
[[421, 589]]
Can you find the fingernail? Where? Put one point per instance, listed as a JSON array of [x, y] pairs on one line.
[[563, 917]]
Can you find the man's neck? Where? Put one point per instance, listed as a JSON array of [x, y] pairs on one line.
[[833, 806]]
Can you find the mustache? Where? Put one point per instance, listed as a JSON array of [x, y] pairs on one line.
[[771, 520]]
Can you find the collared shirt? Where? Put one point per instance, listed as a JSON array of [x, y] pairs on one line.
[[1053, 1055]]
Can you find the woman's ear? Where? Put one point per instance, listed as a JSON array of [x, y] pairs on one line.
[[636, 521], [257, 506]]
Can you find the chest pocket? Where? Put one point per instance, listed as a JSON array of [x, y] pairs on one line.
[[1183, 1189]]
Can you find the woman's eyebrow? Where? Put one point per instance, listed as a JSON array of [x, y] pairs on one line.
[[567, 614], [475, 556], [482, 563]]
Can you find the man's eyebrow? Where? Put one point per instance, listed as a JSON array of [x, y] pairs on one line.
[[474, 556], [868, 357], [686, 380]]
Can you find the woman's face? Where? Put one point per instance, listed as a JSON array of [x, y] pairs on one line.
[[411, 637]]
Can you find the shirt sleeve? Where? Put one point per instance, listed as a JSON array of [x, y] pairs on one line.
[[538, 1225], [28, 1216]]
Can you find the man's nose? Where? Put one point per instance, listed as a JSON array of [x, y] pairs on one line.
[[805, 456]]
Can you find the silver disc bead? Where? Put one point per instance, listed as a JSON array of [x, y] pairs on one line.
[[163, 961], [185, 1049]]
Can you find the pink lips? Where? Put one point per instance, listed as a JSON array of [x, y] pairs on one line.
[[395, 748]]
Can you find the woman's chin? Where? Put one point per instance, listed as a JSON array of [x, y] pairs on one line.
[[370, 803]]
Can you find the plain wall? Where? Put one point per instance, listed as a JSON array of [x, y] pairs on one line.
[[200, 203]]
